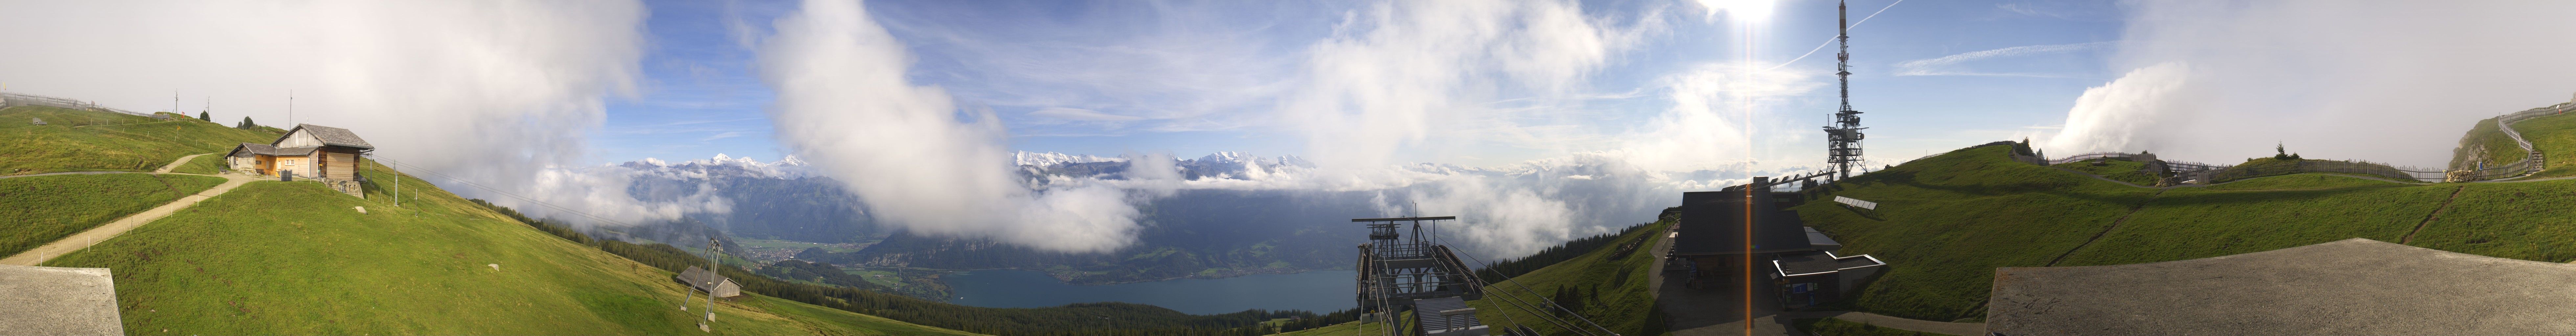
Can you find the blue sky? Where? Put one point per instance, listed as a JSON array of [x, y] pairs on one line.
[[1128, 77]]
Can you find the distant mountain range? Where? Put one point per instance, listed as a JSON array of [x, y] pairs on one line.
[[1194, 233]]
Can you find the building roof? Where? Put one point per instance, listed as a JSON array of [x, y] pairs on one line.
[[246, 149], [702, 279], [251, 148], [1712, 223], [1812, 263], [1820, 241], [330, 136], [58, 301], [2348, 287]]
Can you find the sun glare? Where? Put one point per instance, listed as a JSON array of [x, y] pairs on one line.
[[1740, 10]]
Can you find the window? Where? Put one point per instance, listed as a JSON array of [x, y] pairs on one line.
[[290, 162]]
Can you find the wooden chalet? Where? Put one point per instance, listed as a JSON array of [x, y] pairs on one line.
[[320, 153]]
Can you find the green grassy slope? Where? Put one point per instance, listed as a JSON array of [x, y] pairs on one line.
[[1344, 329], [107, 141], [2263, 214], [2530, 221], [44, 208], [296, 258], [2132, 172], [2555, 136], [1945, 222], [2499, 149], [1615, 291], [1839, 327]]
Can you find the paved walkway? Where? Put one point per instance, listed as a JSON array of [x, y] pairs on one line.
[[77, 241]]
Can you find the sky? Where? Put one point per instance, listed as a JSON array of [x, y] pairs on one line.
[[1196, 78], [1536, 121]]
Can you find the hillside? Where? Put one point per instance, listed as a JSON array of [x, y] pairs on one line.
[[297, 258], [45, 208], [1605, 285], [1945, 222], [2555, 136], [75, 140]]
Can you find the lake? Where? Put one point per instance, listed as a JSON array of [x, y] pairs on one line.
[[1317, 291]]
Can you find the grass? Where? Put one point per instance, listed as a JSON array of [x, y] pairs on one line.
[[1945, 222], [45, 208], [2555, 136], [2529, 221], [1620, 297], [106, 141], [2500, 149], [2263, 214], [2132, 172], [1623, 301], [1344, 329], [204, 164], [1839, 327], [295, 258]]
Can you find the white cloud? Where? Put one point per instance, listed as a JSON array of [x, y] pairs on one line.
[[1396, 75], [2389, 81], [844, 105], [1075, 114], [501, 93]]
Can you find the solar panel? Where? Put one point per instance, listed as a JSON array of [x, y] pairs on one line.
[[1856, 203]]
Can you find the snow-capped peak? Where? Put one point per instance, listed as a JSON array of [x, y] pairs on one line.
[[1051, 159]]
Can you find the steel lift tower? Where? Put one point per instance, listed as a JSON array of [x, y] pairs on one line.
[[1842, 136]]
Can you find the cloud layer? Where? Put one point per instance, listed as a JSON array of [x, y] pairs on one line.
[[501, 93], [2392, 81], [918, 160]]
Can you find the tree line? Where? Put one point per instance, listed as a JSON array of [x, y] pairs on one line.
[[1507, 269]]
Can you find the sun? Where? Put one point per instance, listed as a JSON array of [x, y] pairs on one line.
[[1740, 10]]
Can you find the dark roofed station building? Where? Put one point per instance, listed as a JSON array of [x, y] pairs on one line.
[[1798, 260], [2348, 287]]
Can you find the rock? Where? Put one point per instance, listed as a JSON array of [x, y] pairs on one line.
[[361, 210], [495, 267]]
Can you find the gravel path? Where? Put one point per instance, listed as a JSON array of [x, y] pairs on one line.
[[75, 242]]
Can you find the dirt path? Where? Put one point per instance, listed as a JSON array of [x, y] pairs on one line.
[[84, 239], [174, 164], [2429, 217], [70, 173], [165, 169]]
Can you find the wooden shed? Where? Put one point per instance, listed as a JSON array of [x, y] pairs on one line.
[[707, 281], [320, 153]]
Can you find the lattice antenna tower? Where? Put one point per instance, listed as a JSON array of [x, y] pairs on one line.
[[1842, 136]]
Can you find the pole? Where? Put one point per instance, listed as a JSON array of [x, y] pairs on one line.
[[714, 249]]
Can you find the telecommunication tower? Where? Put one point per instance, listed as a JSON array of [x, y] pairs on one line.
[[1842, 136]]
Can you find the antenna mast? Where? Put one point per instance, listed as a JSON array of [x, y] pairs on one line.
[[1843, 135]]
